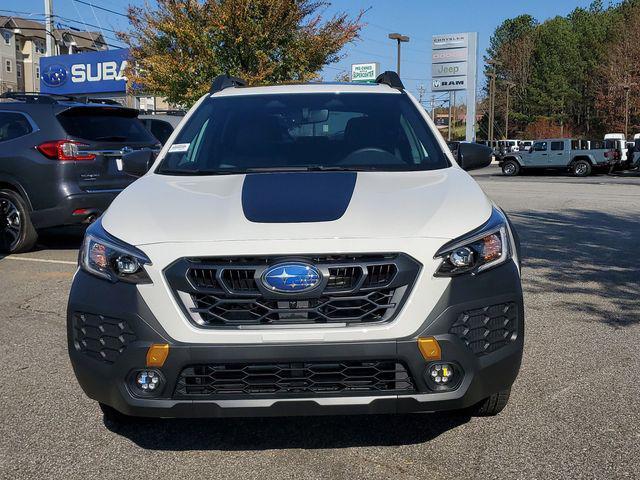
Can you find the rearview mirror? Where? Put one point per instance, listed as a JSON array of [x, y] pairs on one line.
[[472, 156], [138, 163], [315, 116]]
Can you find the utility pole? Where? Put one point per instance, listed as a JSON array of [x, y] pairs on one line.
[[509, 86], [449, 124], [433, 108], [400, 39], [492, 98], [492, 84], [627, 87], [421, 91], [454, 116], [48, 27]]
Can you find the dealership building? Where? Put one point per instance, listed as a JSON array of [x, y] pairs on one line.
[[83, 64]]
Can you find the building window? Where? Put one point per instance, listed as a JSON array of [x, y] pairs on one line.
[[19, 70], [7, 38], [7, 66], [38, 73]]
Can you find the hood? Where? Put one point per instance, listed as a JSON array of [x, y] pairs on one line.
[[296, 206]]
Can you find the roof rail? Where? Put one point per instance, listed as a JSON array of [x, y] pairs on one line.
[[53, 98], [100, 101], [173, 112], [37, 97], [225, 81], [390, 78]]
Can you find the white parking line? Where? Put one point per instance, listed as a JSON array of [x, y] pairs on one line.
[[41, 260]]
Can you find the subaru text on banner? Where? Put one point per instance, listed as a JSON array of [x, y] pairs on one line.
[[299, 250]]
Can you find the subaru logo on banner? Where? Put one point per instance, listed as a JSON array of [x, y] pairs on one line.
[[85, 73]]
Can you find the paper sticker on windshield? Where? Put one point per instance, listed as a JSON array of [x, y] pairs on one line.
[[179, 147]]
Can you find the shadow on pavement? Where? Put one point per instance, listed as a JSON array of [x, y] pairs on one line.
[[292, 432], [66, 238], [588, 257]]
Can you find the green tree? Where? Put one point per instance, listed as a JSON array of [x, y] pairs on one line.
[[555, 63], [593, 29], [179, 46]]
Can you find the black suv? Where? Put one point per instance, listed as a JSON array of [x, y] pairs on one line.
[[61, 162]]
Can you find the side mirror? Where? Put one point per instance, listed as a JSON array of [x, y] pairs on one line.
[[138, 163], [472, 156]]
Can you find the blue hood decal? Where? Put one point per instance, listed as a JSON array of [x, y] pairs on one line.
[[296, 197]]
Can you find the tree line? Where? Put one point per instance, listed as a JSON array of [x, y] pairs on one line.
[[571, 75]]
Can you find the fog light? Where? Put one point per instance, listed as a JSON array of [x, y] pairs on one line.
[[441, 376], [148, 381]]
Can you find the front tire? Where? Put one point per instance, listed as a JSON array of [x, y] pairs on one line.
[[581, 168], [510, 168], [17, 234], [491, 406]]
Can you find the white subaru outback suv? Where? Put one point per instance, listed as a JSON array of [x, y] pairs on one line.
[[299, 250]]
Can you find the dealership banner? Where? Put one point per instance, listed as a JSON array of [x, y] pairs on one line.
[[365, 72], [85, 73]]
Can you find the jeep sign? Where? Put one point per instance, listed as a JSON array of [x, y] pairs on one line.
[[365, 72], [454, 68], [85, 73], [448, 69]]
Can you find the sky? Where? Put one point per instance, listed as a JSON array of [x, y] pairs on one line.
[[419, 19]]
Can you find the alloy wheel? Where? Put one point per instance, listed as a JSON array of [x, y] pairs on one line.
[[10, 224]]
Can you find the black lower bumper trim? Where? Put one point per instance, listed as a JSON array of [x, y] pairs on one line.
[[483, 375]]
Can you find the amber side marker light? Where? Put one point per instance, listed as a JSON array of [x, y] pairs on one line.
[[157, 354], [429, 348]]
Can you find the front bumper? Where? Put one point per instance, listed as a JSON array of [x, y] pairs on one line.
[[104, 369]]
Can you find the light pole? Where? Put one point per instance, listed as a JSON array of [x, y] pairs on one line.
[[400, 39], [509, 85], [492, 97]]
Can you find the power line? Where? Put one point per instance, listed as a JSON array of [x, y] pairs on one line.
[[101, 8], [76, 34], [85, 24]]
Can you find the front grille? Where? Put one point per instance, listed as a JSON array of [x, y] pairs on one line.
[[101, 337], [485, 330], [227, 292], [337, 378]]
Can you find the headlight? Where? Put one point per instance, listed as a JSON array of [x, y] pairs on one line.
[[107, 257], [480, 250]]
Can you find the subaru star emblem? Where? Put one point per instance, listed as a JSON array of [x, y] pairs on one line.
[[54, 75], [291, 277]]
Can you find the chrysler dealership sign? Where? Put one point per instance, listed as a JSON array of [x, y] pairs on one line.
[[454, 66], [85, 73]]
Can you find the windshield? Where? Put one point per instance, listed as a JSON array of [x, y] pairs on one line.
[[332, 131]]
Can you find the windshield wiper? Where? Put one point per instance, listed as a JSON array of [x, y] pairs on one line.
[[310, 168]]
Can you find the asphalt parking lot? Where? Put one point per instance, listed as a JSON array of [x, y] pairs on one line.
[[574, 411]]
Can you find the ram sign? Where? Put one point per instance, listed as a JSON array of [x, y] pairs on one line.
[[85, 73], [454, 67]]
